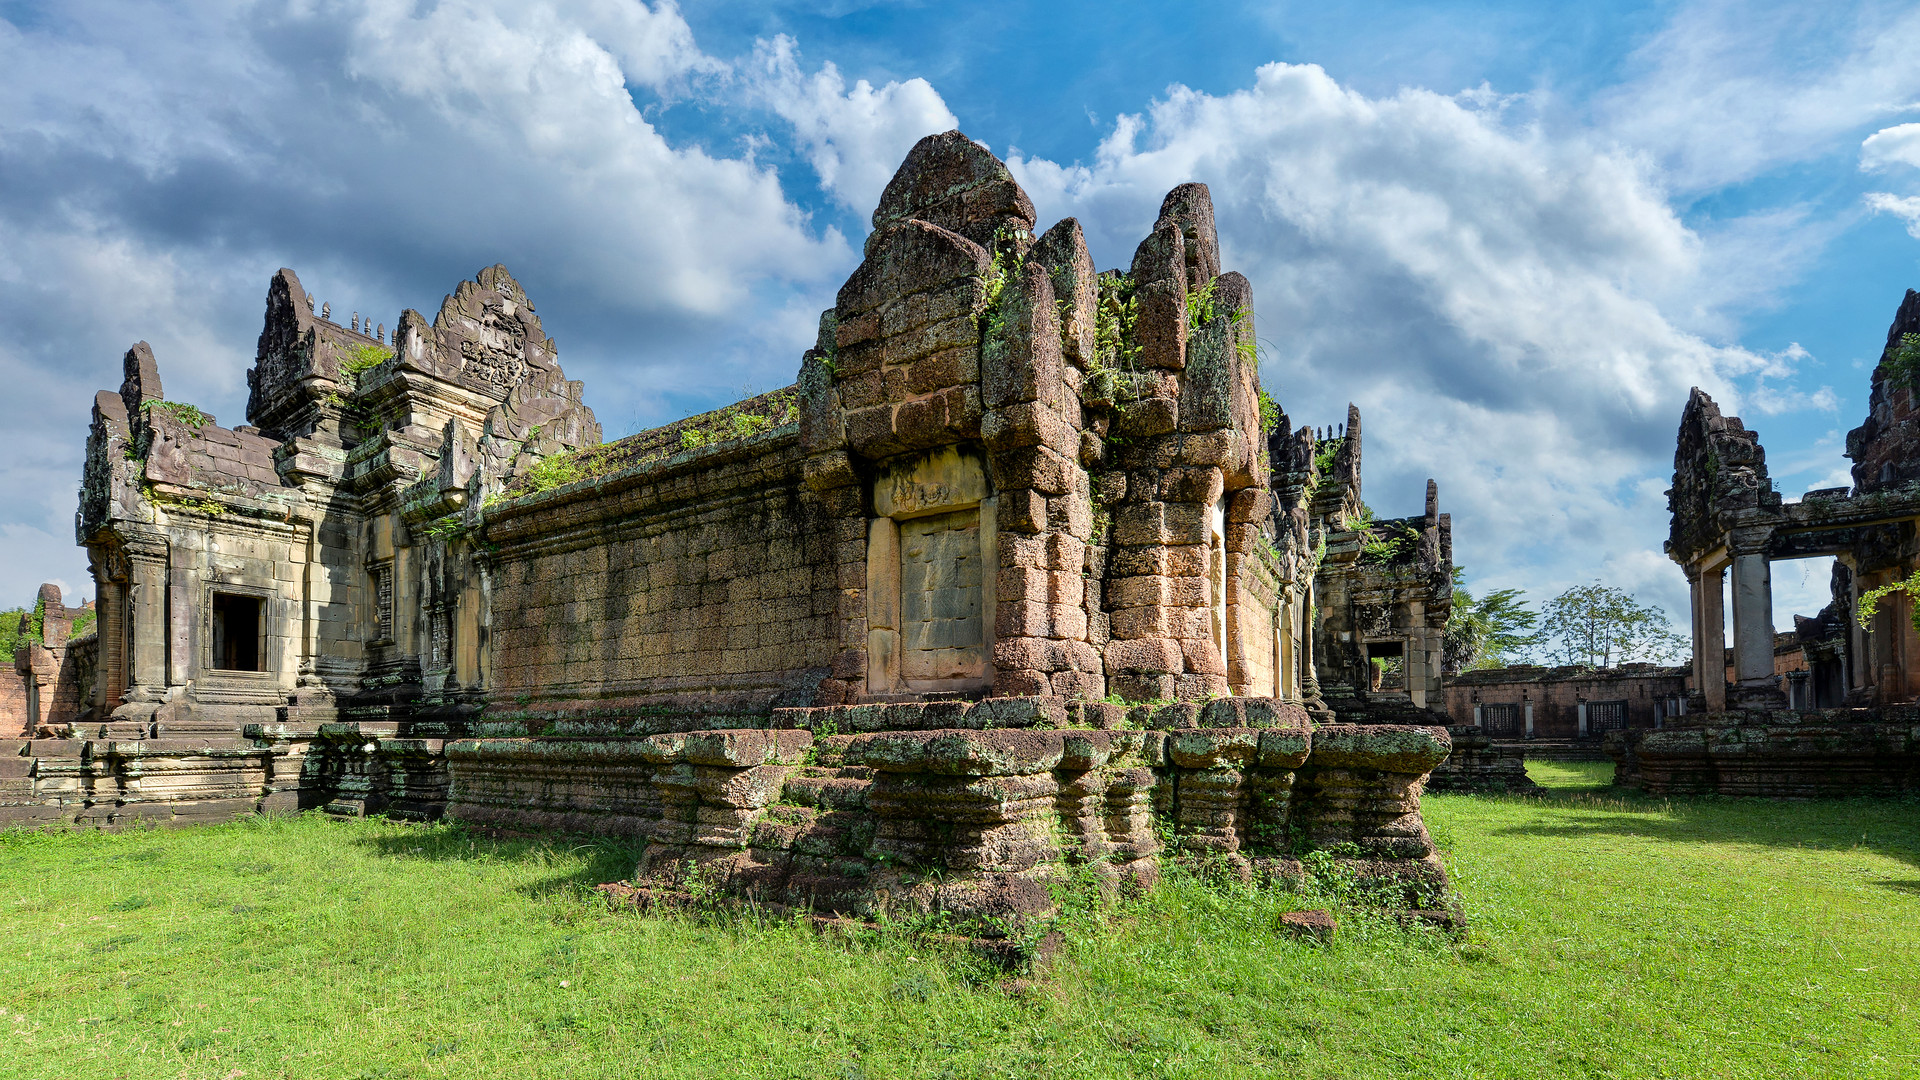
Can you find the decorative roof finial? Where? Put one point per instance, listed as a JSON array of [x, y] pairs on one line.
[[356, 322], [309, 305], [383, 332]]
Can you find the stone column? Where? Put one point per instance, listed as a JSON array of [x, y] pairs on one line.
[[1413, 662], [109, 589], [1309, 663], [1695, 616], [1758, 687], [147, 599], [1713, 640]]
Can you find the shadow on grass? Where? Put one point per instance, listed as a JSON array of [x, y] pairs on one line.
[[600, 858], [1889, 827]]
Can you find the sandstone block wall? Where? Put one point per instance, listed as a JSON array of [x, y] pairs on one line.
[[706, 574], [1556, 694], [13, 705]]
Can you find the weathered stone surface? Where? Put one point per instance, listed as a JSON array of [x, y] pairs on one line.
[[741, 749], [1319, 925], [957, 184], [1390, 748], [1206, 748], [960, 752]]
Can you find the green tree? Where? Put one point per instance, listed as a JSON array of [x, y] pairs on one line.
[[11, 636], [1601, 626], [1492, 631]]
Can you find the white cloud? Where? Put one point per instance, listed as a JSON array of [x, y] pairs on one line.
[[1897, 145], [1904, 207], [1500, 303], [1726, 90], [853, 138]]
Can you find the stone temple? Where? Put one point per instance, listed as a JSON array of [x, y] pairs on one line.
[[1852, 726], [1024, 571]]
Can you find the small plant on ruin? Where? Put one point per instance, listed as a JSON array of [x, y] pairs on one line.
[[1387, 543], [357, 360], [822, 731], [1201, 306], [1360, 519], [1903, 365], [1115, 315], [1266, 548], [738, 421], [1007, 265], [830, 344], [446, 529], [1378, 543], [1325, 454], [183, 502], [556, 471], [1244, 339], [1269, 411], [1909, 587], [1003, 266], [186, 414]]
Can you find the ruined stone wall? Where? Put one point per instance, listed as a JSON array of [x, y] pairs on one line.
[[705, 574], [1885, 448], [1120, 478], [1825, 753], [13, 704], [1555, 694]]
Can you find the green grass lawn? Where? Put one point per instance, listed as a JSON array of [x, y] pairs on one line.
[[1611, 937]]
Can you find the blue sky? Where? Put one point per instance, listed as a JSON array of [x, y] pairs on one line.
[[1514, 234]]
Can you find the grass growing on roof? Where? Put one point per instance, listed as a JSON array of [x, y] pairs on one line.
[[740, 420], [1613, 936]]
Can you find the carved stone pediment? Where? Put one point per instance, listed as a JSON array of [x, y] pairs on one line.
[[485, 338], [1373, 620]]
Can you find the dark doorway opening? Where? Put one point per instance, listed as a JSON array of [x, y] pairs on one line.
[[236, 632], [1387, 667]]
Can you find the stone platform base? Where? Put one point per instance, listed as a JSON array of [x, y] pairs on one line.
[[1479, 765], [974, 809], [88, 783], [1783, 754]]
